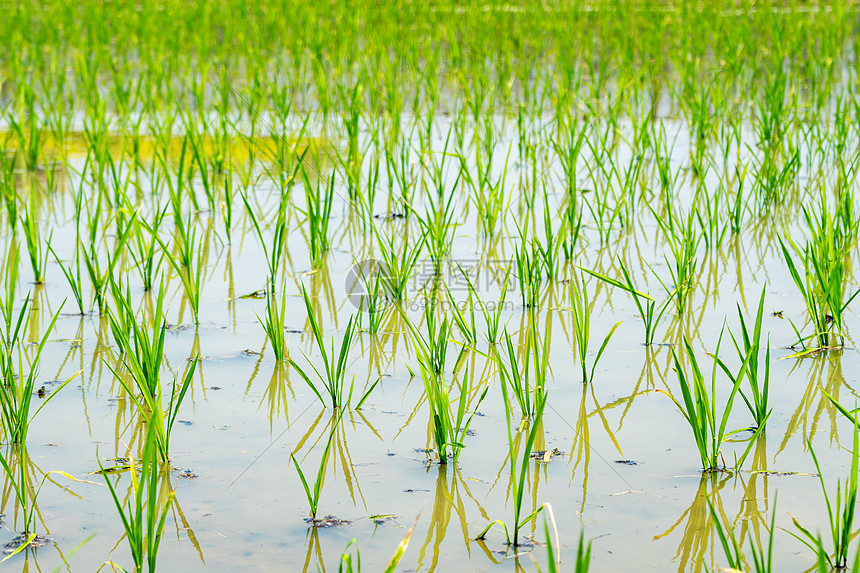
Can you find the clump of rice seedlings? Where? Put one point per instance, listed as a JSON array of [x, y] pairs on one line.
[[840, 514], [519, 471], [318, 204], [333, 376], [438, 229], [645, 304], [17, 377], [141, 345], [35, 248], [396, 263], [580, 307], [144, 510], [448, 426], [749, 351], [73, 276], [683, 242], [822, 283], [273, 324], [699, 408], [188, 264], [528, 273], [762, 558], [144, 248], [519, 377], [277, 243]]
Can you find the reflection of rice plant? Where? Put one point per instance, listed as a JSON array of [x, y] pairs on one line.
[[840, 514], [313, 497], [144, 510], [762, 559], [518, 472]]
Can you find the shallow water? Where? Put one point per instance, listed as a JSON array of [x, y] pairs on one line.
[[627, 472]]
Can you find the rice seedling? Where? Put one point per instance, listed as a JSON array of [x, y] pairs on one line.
[[699, 408], [519, 377], [683, 242], [645, 304], [528, 273], [273, 324], [822, 284], [73, 276], [318, 204], [580, 307], [840, 513], [188, 265], [396, 263], [333, 375], [749, 350], [518, 474], [141, 348], [35, 248], [449, 427], [144, 511], [438, 230], [277, 245], [19, 378], [582, 561]]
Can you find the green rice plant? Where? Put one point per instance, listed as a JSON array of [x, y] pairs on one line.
[[189, 265], [700, 408], [318, 204], [313, 497], [73, 276], [762, 559], [840, 514], [519, 377], [580, 307], [333, 376], [397, 263], [749, 350], [448, 427], [141, 345], [27, 127], [17, 377], [645, 304], [683, 242], [273, 324], [144, 248], [822, 283], [278, 242], [35, 247], [528, 273], [144, 510], [518, 474], [464, 317], [438, 229]]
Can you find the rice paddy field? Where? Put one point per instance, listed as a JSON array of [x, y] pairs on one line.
[[429, 286]]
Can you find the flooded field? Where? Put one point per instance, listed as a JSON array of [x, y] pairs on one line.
[[458, 286]]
